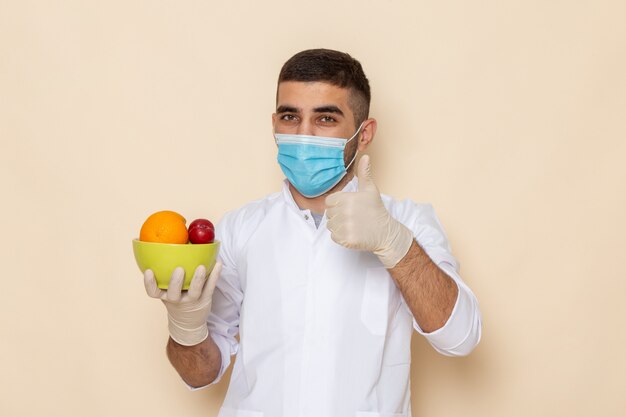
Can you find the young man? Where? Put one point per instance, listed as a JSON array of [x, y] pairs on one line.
[[324, 281]]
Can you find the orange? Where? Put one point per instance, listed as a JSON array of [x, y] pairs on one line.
[[164, 227]]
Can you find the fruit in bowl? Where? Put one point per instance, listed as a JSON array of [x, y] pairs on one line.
[[164, 227], [201, 231], [164, 244]]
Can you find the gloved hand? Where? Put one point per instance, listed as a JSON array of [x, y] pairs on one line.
[[187, 312], [360, 220]]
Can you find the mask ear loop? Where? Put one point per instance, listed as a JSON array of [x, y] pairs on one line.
[[274, 136], [356, 133], [357, 149], [355, 154]]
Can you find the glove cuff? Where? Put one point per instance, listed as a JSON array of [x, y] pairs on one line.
[[400, 240], [186, 336]]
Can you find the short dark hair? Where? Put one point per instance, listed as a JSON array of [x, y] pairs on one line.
[[336, 68]]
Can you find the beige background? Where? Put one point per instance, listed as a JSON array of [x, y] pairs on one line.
[[508, 116]]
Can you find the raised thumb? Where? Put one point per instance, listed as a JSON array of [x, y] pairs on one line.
[[364, 174]]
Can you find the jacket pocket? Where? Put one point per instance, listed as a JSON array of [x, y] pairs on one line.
[[375, 303]]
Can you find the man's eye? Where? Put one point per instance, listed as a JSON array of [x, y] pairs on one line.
[[288, 117], [327, 119]]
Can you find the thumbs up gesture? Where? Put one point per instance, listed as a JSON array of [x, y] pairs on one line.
[[360, 220]]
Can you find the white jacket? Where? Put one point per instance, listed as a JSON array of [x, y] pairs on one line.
[[323, 330]]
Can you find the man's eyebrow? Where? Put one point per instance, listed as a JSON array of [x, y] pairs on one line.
[[328, 109], [286, 109]]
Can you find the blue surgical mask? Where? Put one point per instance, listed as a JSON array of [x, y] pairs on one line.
[[312, 164]]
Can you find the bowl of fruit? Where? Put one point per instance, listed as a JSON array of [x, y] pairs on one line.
[[165, 242]]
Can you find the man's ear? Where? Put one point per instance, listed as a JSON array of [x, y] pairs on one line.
[[368, 131]]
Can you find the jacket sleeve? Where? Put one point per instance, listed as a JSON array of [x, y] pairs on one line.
[[223, 321], [462, 332]]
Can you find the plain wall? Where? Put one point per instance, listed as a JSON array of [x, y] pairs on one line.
[[508, 116]]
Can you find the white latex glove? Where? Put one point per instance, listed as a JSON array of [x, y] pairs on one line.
[[360, 220], [187, 311]]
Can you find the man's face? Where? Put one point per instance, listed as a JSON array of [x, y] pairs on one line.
[[316, 109]]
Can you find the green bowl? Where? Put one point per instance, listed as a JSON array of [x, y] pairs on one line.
[[163, 258]]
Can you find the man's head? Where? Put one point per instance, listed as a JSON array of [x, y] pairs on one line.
[[325, 94], [335, 68]]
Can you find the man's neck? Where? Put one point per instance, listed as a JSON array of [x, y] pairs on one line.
[[318, 204]]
